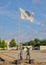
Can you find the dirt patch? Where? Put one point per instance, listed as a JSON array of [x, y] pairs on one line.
[[35, 63]]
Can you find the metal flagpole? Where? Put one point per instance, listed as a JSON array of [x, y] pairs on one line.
[[18, 37], [19, 40]]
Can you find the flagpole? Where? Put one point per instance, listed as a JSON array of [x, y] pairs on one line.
[[18, 36], [19, 39]]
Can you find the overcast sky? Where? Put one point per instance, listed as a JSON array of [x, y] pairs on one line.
[[13, 27]]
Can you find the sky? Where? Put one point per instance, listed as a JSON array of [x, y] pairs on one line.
[[22, 30]]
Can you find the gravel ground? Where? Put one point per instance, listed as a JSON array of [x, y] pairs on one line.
[[35, 63], [38, 56]]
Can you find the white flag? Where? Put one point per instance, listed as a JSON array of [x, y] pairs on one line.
[[27, 15]]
